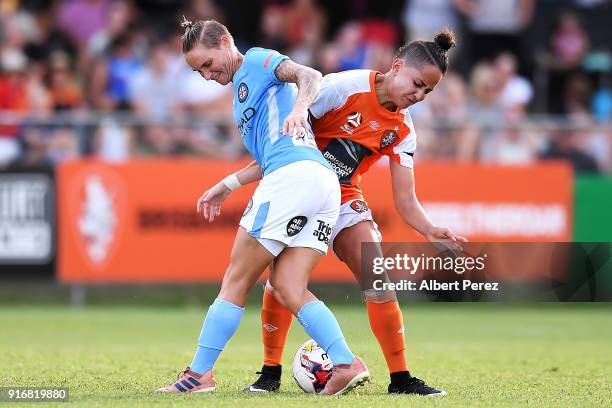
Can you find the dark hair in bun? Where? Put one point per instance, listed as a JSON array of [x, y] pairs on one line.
[[445, 40], [418, 53]]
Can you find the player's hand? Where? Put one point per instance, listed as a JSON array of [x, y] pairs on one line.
[[443, 234], [209, 204], [295, 121]]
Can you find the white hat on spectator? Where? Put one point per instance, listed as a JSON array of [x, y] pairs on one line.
[[13, 60], [518, 91]]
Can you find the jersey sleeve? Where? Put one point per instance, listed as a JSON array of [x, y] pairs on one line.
[[263, 62], [329, 98], [403, 152]]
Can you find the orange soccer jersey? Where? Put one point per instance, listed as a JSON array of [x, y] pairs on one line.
[[353, 130]]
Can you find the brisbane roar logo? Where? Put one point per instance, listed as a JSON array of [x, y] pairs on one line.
[[388, 138], [97, 203], [359, 206]]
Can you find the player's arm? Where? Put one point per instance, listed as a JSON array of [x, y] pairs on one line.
[[209, 203], [408, 206], [250, 173], [308, 82]]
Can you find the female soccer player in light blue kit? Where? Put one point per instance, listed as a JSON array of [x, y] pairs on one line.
[[292, 212]]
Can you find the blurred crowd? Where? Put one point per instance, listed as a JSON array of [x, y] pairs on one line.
[[529, 80]]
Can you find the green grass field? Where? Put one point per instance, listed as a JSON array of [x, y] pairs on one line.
[[482, 354]]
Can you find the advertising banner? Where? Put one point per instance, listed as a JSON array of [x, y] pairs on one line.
[[137, 222], [27, 212]]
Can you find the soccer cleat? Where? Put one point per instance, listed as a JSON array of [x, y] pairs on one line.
[[414, 386], [345, 377], [268, 381], [190, 381]]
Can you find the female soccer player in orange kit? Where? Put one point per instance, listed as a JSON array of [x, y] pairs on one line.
[[358, 117]]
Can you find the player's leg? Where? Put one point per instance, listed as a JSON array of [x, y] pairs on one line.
[[384, 313], [275, 324], [248, 260], [290, 278]]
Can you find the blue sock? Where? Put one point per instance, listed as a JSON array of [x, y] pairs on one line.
[[220, 324], [321, 324]]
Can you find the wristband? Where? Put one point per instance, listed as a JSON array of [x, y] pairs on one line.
[[231, 182]]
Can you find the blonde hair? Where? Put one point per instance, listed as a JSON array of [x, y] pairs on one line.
[[208, 33]]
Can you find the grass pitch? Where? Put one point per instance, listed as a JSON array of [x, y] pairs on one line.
[[482, 354]]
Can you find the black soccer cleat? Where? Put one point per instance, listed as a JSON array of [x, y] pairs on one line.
[[413, 385], [269, 380]]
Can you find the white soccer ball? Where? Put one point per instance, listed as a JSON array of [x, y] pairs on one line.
[[311, 367]]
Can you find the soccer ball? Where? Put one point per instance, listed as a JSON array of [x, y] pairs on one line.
[[311, 367]]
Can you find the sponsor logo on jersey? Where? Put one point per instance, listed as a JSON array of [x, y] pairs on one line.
[[323, 232], [243, 92], [359, 206], [374, 125], [342, 169], [296, 224], [388, 138], [244, 127], [354, 119]]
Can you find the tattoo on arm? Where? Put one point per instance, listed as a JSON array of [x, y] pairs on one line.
[[307, 79]]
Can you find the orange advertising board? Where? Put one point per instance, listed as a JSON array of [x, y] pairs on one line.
[[136, 222]]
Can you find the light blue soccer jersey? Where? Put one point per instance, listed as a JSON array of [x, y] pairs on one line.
[[261, 103]]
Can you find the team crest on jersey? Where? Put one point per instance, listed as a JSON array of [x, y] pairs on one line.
[[296, 224], [359, 206], [243, 92], [388, 138], [353, 121]]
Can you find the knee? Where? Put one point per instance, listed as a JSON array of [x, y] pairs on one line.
[[235, 285], [288, 295]]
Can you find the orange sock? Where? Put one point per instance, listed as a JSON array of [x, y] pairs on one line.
[[388, 327], [275, 324]]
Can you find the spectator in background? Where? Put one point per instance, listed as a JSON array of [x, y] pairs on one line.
[[22, 95], [274, 28], [564, 144], [154, 100], [424, 18], [577, 97], [49, 38], [204, 10], [81, 19], [347, 51], [495, 26], [380, 38], [63, 85], [485, 111], [306, 24], [516, 92], [109, 86], [569, 45], [121, 13], [443, 121]]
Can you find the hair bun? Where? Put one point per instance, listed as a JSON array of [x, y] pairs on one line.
[[445, 40], [186, 24]]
